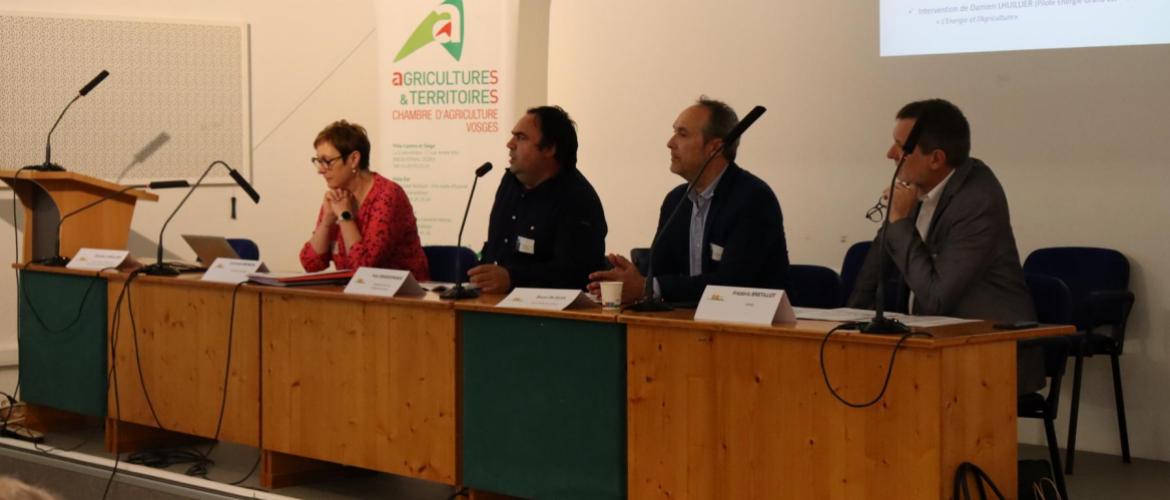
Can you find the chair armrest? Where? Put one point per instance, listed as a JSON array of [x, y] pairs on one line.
[[1108, 308]]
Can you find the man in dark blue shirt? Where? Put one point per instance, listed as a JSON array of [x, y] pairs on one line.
[[729, 230], [547, 227]]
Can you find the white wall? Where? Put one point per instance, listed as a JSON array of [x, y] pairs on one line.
[[1077, 137]]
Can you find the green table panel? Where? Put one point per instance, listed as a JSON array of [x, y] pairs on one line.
[[544, 406], [63, 366]]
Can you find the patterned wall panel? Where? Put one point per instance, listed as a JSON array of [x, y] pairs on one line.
[[176, 98]]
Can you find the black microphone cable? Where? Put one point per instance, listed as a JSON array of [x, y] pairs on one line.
[[159, 458], [855, 325], [16, 256], [226, 375], [112, 374], [201, 461], [112, 378], [76, 316]]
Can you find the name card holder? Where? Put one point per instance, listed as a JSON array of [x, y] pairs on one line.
[[549, 299], [96, 259], [756, 306], [384, 283], [234, 271]]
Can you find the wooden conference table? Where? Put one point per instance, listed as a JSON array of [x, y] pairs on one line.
[[574, 404]]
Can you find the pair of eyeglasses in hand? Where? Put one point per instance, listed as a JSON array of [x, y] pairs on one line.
[[877, 212]]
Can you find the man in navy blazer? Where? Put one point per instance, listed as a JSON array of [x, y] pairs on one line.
[[728, 231]]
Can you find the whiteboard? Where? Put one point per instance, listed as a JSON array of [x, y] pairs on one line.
[[177, 97]]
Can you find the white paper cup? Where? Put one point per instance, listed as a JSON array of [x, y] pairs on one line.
[[611, 294]]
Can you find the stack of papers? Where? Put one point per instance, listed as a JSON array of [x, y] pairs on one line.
[[330, 277], [846, 314]]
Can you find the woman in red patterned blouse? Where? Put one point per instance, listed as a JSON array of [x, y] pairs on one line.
[[365, 219]]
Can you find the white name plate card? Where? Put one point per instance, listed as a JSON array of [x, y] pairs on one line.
[[234, 271], [757, 306], [96, 259], [550, 299], [384, 283]]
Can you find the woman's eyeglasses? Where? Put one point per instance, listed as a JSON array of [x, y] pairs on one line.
[[325, 162]]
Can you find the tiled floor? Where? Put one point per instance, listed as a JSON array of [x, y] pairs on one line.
[[1105, 477], [1097, 477]]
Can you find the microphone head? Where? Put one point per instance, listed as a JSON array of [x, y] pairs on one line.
[[483, 169], [912, 137], [94, 83], [743, 125], [244, 185], [168, 184]]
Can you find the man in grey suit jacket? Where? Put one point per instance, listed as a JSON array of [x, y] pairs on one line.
[[950, 235]]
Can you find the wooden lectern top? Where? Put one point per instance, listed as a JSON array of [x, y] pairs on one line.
[[48, 196], [10, 175]]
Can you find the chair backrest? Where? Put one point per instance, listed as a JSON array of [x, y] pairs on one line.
[[245, 248], [449, 263], [851, 267], [896, 299], [813, 286], [1051, 298], [1085, 270], [641, 259]]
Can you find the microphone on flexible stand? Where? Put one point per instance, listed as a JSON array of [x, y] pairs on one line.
[[459, 291], [48, 165], [57, 260], [649, 302], [162, 268], [880, 323]]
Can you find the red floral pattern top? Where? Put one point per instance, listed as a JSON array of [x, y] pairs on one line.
[[389, 236]]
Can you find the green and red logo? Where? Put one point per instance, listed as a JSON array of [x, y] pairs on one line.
[[443, 25]]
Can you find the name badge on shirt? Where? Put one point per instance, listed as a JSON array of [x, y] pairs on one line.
[[716, 252], [526, 245]]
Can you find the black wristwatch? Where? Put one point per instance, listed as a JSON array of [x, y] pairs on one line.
[[346, 215]]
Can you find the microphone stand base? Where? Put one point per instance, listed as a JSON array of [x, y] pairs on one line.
[[57, 261], [650, 304], [459, 292], [47, 167], [883, 325], [160, 269]]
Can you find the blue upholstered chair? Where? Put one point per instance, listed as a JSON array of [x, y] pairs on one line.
[[895, 293], [813, 286], [1098, 281], [245, 248], [446, 262], [851, 267]]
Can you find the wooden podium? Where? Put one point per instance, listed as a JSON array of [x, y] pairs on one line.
[[47, 196]]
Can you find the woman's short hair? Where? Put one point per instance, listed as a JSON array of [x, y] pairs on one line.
[[347, 138]]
